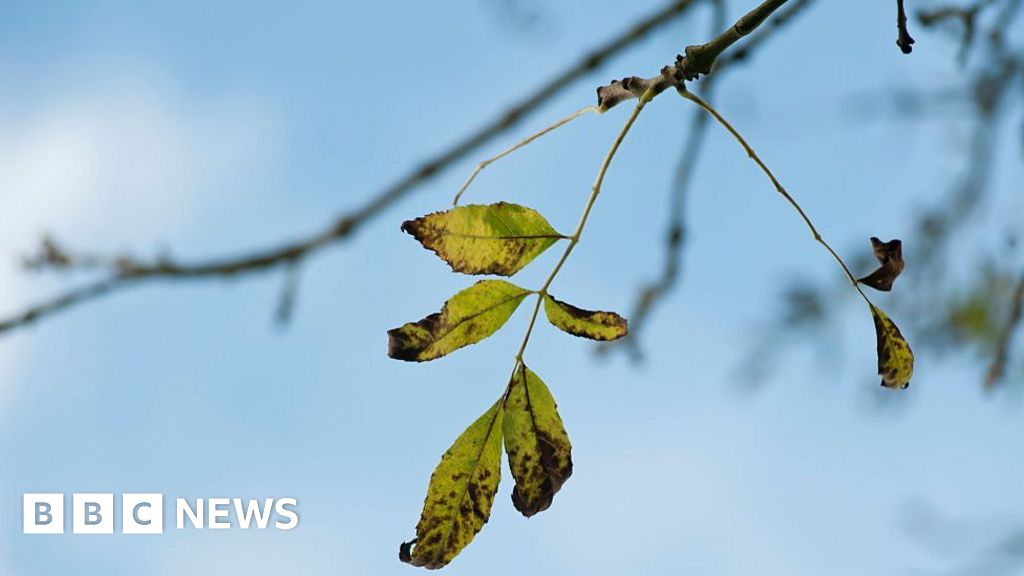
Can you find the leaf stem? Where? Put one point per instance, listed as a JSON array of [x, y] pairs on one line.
[[595, 191], [550, 128], [681, 89]]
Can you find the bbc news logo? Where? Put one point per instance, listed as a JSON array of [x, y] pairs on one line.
[[94, 513]]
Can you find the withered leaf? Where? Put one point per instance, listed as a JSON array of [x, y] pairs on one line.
[[460, 494], [539, 452], [497, 239], [596, 325], [895, 358], [890, 258], [467, 318]]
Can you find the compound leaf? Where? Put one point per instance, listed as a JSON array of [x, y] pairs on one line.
[[460, 494], [497, 239], [594, 325], [539, 452], [895, 358], [466, 318]]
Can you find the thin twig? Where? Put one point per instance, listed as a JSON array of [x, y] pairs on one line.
[[775, 181], [675, 238], [546, 130], [87, 292], [903, 40], [595, 191]]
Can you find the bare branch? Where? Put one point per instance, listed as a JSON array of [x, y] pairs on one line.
[[696, 60], [60, 303], [904, 41], [700, 59], [765, 32]]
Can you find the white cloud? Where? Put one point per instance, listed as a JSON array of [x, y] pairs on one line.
[[110, 167], [118, 161]]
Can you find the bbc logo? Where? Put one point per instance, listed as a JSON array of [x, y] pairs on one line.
[[93, 513]]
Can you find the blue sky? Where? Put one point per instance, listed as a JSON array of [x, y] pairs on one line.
[[203, 130]]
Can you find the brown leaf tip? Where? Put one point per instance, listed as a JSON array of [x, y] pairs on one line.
[[414, 227], [532, 508], [555, 477], [406, 344], [405, 551]]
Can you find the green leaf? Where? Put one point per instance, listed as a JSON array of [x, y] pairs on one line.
[[895, 358], [467, 318], [497, 239], [460, 494], [594, 325], [539, 452]]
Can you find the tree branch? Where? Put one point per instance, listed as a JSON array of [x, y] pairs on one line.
[[765, 32], [967, 17], [903, 40], [124, 271], [698, 59]]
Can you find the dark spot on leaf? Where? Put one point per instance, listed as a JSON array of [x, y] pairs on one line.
[[538, 448], [460, 494], [895, 358]]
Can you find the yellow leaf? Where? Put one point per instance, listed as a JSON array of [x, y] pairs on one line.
[[895, 358], [497, 239], [467, 318], [596, 325], [460, 495]]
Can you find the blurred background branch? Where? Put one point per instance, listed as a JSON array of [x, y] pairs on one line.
[[124, 271]]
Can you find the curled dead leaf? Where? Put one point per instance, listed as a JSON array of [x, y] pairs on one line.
[[890, 258]]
